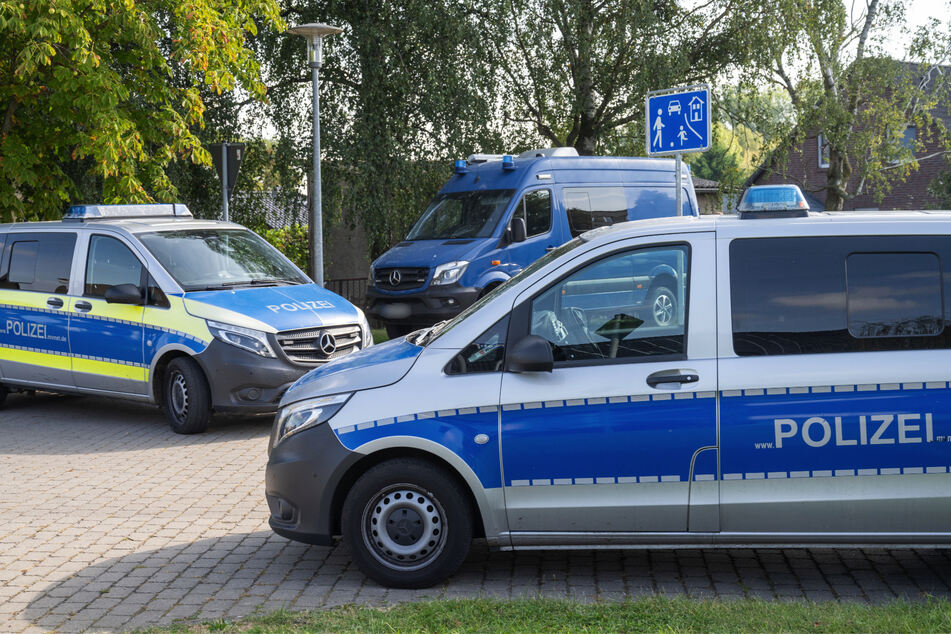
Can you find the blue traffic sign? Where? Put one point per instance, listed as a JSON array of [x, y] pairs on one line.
[[678, 120]]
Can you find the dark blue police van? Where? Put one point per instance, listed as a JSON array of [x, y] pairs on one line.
[[498, 214]]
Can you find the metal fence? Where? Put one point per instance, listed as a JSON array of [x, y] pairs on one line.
[[353, 289]]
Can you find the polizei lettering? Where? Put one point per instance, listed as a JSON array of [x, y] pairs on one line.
[[24, 329], [844, 431], [295, 306]]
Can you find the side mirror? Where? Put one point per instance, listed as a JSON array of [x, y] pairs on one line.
[[124, 294], [531, 354], [518, 230]]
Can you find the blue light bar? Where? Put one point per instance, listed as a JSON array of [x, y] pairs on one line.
[[92, 212], [462, 166], [508, 162]]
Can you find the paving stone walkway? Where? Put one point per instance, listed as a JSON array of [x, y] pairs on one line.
[[109, 521]]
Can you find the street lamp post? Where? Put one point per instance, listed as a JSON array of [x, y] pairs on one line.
[[315, 34]]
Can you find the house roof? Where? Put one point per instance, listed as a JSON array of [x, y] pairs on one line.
[[705, 186]]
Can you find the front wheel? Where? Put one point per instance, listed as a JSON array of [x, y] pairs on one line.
[[3, 394], [408, 523], [186, 397]]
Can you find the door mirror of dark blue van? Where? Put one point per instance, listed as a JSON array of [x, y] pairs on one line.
[[530, 354], [517, 227], [124, 294]]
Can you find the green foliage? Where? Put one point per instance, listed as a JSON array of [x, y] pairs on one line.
[[292, 241], [652, 614], [576, 71], [403, 92], [940, 189], [98, 99]]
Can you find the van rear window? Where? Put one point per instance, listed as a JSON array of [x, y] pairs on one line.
[[835, 294]]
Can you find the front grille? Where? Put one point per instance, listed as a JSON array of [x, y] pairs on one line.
[[408, 278], [303, 346]]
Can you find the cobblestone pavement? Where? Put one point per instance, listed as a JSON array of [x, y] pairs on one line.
[[110, 521]]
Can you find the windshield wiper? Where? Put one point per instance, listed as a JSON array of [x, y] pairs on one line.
[[429, 335]]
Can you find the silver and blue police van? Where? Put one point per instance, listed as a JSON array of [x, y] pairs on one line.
[[145, 302], [791, 387]]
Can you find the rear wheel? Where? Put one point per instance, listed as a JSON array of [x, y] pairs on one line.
[[186, 397], [408, 523], [662, 304], [3, 394]]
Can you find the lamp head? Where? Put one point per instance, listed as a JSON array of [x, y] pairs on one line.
[[314, 34]]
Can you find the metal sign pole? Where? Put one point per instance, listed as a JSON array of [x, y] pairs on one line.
[[316, 230], [224, 180], [678, 185]]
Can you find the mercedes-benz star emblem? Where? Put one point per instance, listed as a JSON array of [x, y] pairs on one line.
[[328, 344], [395, 278]]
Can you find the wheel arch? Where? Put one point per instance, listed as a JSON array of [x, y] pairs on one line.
[[489, 512], [160, 363]]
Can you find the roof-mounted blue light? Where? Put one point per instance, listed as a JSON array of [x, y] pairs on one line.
[[93, 212], [462, 166], [508, 162]]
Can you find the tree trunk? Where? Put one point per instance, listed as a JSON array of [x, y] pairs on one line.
[[587, 105], [837, 182]]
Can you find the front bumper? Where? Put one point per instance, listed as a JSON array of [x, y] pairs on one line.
[[243, 381], [423, 308], [302, 476]]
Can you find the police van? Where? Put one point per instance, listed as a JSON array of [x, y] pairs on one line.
[[144, 302], [798, 395], [499, 213]]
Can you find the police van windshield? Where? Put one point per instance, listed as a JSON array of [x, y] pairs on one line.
[[462, 215], [217, 259]]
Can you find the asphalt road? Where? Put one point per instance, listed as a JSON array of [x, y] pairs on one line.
[[110, 521]]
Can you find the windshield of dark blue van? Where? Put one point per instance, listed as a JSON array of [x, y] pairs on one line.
[[426, 336], [462, 215], [216, 259]]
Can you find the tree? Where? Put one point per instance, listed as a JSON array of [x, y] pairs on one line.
[[98, 98], [851, 92], [577, 71], [404, 90]]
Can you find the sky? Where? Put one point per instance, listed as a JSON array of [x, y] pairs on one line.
[[917, 13]]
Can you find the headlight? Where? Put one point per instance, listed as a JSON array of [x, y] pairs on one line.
[[307, 414], [449, 273], [245, 338], [366, 335]]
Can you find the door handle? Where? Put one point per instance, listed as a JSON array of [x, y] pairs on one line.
[[82, 306], [671, 376], [549, 249], [54, 302]]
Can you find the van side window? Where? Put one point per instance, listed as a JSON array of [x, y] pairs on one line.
[[628, 305], [110, 263], [38, 262], [593, 207], [156, 297], [535, 209], [485, 354], [835, 294]]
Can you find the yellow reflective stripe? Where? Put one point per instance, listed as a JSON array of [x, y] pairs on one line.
[[74, 364], [27, 299], [177, 319], [115, 370], [54, 361]]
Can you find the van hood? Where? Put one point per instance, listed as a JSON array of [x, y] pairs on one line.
[[429, 252], [376, 366], [273, 308]]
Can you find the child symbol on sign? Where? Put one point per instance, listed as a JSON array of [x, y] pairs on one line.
[[682, 135]]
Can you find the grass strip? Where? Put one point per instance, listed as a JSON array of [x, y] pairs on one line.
[[652, 614]]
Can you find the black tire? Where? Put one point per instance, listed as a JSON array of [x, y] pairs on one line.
[[186, 398], [434, 523], [3, 394], [662, 306], [394, 331]]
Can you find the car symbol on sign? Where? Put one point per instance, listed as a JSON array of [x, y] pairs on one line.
[[672, 107]]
